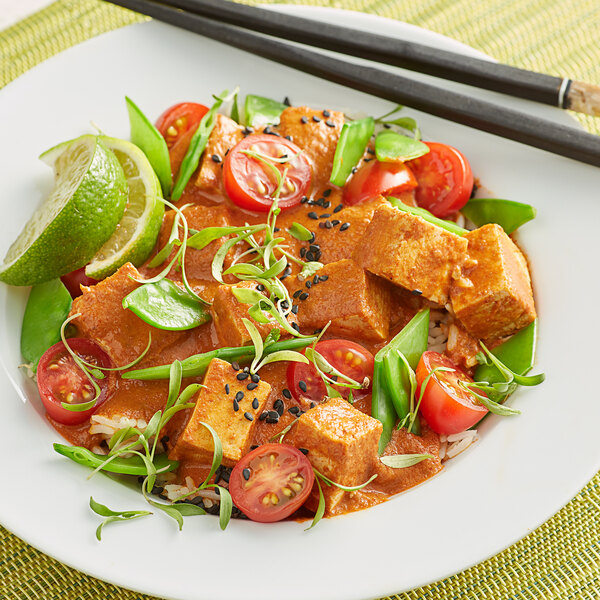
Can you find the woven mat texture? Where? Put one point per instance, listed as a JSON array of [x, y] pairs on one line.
[[561, 559]]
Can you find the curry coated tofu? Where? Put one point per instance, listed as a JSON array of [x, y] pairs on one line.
[[412, 253], [356, 303], [230, 408], [342, 445], [224, 136], [228, 313], [316, 132], [493, 296]]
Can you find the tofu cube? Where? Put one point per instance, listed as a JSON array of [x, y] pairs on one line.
[[356, 302], [224, 136], [316, 134], [493, 297], [342, 445], [228, 313], [233, 419], [410, 252]]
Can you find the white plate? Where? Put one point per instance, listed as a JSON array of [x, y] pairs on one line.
[[521, 471]]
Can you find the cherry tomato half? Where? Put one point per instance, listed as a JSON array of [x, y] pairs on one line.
[[447, 406], [75, 279], [60, 380], [378, 178], [348, 358], [271, 482], [251, 184], [178, 125], [445, 179]]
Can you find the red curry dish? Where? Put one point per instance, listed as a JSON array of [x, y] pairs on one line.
[[299, 433]]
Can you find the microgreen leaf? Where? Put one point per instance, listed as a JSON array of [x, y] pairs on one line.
[[272, 337], [300, 232], [111, 515], [256, 340], [310, 268], [225, 507], [209, 234], [346, 488], [320, 508], [401, 461], [282, 355]]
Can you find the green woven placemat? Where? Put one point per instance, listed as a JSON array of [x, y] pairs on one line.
[[561, 559]]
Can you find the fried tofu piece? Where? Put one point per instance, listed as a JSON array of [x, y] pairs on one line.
[[342, 445], [410, 252], [493, 297], [225, 135], [462, 347], [232, 415], [119, 331], [357, 303], [228, 312], [316, 134]]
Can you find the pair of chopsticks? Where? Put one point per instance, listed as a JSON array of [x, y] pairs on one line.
[[255, 30]]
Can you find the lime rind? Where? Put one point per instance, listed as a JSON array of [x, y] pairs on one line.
[[81, 213]]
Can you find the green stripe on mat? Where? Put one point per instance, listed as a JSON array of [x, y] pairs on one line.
[[561, 559]]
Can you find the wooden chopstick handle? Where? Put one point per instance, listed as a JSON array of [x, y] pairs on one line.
[[583, 97]]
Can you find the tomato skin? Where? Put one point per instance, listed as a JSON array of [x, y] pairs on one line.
[[338, 353], [378, 178], [445, 179], [289, 470], [446, 407], [250, 184], [75, 279], [58, 374]]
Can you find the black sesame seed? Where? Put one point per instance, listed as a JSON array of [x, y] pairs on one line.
[[330, 123], [286, 101], [239, 396], [416, 292], [255, 403], [326, 114], [315, 280], [260, 287], [296, 293], [227, 388], [320, 201], [313, 215], [242, 376], [311, 256], [252, 386], [255, 377], [157, 489], [236, 366], [226, 474], [308, 284], [272, 420], [328, 224], [316, 119], [302, 252], [294, 410], [323, 277], [387, 126], [236, 405], [354, 169], [216, 158], [321, 225], [344, 226], [338, 208], [273, 414], [246, 474], [286, 393], [302, 385], [295, 309], [367, 160], [326, 204], [263, 415], [370, 151], [286, 272], [295, 326], [267, 130], [313, 404], [335, 222], [255, 446], [325, 216], [279, 407], [304, 120], [248, 130], [303, 450], [163, 496], [285, 305], [303, 296], [303, 199], [164, 439], [327, 192], [289, 138], [249, 416]]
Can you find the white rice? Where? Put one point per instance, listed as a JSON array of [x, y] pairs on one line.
[[452, 445], [176, 491], [438, 331]]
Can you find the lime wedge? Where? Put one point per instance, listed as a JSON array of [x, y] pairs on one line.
[[80, 214], [136, 233]]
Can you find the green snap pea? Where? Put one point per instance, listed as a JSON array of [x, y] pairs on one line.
[[261, 111], [165, 305], [146, 137], [195, 366], [508, 214], [382, 407], [391, 146], [425, 214], [47, 308], [350, 148], [132, 465]]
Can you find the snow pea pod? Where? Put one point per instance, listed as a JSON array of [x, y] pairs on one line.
[[382, 407], [196, 365], [47, 308], [510, 215], [261, 111], [132, 465], [425, 214], [146, 137], [165, 305], [350, 148], [391, 146]]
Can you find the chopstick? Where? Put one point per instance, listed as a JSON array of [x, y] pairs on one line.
[[459, 108], [555, 91]]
